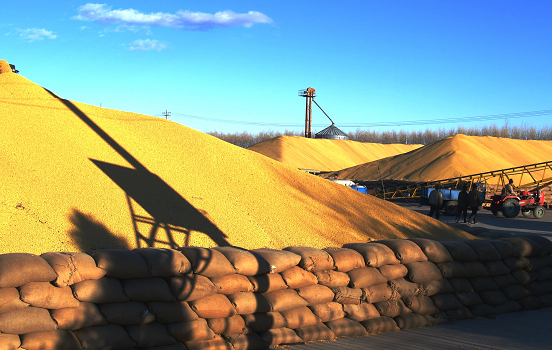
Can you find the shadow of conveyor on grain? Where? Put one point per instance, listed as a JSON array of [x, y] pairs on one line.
[[167, 208]]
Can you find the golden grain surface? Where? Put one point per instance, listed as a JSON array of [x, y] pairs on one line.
[[326, 155], [76, 177]]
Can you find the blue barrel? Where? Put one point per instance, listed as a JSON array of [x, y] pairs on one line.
[[361, 189]]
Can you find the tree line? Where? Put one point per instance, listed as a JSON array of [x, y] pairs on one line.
[[523, 132]]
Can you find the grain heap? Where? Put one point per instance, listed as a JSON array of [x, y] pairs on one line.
[[77, 177], [454, 156], [324, 154]]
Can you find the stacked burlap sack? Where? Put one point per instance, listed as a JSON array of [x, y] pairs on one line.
[[232, 298]]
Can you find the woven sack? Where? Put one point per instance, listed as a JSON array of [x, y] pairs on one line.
[[27, 320], [504, 248], [282, 300], [345, 259], [420, 304], [191, 287], [468, 299], [460, 251], [10, 341], [150, 335], [481, 284], [51, 340], [193, 330], [217, 343], [120, 263], [540, 287], [85, 315], [545, 274], [331, 278], [461, 285], [392, 308], [267, 283], [485, 250], [280, 336], [516, 263], [507, 307], [300, 317], [297, 277], [423, 272], [9, 300], [345, 295], [264, 321], [279, 260], [531, 302], [525, 246], [103, 290], [207, 262], [245, 341], [434, 250], [316, 294], [47, 296], [522, 276], [346, 327], [435, 287], [72, 267], [245, 262], [328, 312], [148, 289], [377, 293], [404, 288], [319, 332], [312, 259], [504, 280], [380, 325], [538, 263], [405, 251], [476, 269], [17, 269], [228, 325], [249, 303], [374, 254], [496, 268], [411, 321], [129, 313], [446, 301], [213, 306], [391, 272], [493, 297], [164, 262], [360, 312], [231, 284], [178, 311], [453, 269], [363, 277], [544, 243], [110, 336]]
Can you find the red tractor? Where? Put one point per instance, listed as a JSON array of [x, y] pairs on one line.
[[530, 203]]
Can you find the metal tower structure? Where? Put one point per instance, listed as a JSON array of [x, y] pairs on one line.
[[309, 93]]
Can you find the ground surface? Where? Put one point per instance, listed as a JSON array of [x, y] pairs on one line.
[[513, 331]]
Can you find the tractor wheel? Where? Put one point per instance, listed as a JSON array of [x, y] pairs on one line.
[[538, 212], [528, 213], [496, 211], [450, 207], [510, 208]]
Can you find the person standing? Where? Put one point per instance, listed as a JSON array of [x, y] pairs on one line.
[[435, 202], [463, 203], [474, 199]]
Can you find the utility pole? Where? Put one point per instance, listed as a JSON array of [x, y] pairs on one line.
[[166, 114]]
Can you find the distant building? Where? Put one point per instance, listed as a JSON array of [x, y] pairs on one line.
[[331, 133]]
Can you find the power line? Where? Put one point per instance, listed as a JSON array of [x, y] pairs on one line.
[[379, 124]]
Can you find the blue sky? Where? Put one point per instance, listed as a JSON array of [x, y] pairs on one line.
[[233, 66]]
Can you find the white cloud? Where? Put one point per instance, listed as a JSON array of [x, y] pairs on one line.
[[103, 14], [32, 34], [147, 45]]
